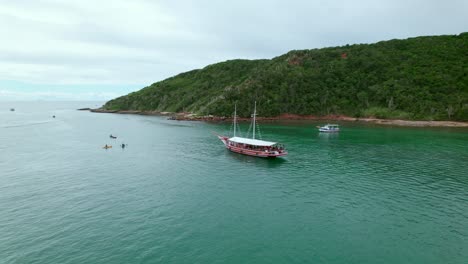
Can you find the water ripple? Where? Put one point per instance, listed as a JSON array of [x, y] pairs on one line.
[[175, 194]]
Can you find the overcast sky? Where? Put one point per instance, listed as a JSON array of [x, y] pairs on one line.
[[97, 50]]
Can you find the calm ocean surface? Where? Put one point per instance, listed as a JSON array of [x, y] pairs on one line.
[[176, 195]]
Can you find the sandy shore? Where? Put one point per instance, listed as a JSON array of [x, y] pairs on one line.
[[210, 118]]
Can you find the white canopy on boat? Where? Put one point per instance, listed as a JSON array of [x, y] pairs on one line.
[[250, 141]]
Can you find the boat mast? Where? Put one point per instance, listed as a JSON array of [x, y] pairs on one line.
[[235, 118], [255, 113]]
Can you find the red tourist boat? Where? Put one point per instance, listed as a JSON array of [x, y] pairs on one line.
[[251, 146]]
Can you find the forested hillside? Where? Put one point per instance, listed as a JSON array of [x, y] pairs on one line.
[[424, 78]]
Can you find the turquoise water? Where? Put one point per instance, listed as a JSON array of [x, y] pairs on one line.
[[175, 195]]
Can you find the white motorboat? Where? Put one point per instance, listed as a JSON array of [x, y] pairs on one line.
[[329, 128]]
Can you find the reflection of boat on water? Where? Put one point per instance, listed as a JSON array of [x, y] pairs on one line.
[[267, 163], [251, 146], [329, 128], [328, 136]]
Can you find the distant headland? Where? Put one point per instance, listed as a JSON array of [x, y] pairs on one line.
[[420, 81]]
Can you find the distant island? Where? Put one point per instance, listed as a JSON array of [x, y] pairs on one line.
[[422, 78]]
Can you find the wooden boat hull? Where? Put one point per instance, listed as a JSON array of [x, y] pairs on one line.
[[250, 152]]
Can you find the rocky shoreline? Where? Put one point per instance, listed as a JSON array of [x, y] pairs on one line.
[[284, 117]]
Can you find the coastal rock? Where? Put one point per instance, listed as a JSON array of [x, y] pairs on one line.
[[184, 116]]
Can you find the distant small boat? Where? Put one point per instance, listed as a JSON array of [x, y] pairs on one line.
[[12, 109], [329, 128], [107, 147], [111, 136]]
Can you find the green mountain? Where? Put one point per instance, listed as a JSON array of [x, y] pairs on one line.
[[423, 78]]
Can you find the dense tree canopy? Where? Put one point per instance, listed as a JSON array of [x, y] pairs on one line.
[[422, 78]]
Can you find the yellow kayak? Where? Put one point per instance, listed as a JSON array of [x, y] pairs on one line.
[[107, 147]]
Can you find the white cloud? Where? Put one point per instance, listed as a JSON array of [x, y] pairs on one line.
[[134, 42], [13, 95]]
